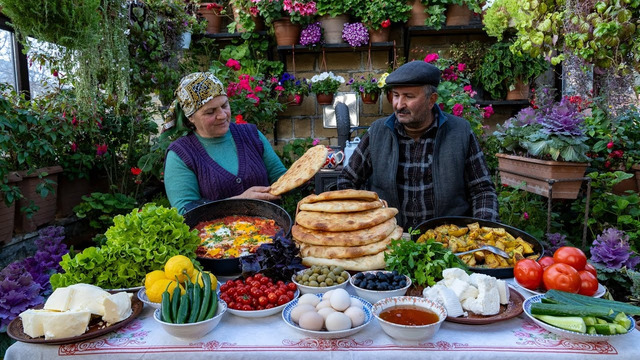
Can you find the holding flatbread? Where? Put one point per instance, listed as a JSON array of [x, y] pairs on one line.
[[301, 171]]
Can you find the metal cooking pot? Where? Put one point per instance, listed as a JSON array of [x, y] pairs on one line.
[[228, 207]]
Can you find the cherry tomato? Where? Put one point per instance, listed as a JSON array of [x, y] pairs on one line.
[[258, 276], [589, 283], [256, 292], [283, 299], [263, 301], [291, 286], [230, 283], [231, 305], [269, 306], [528, 273], [247, 307], [280, 282], [272, 297], [280, 292], [290, 294], [571, 256], [264, 280], [249, 279], [255, 284], [590, 268], [562, 277], [239, 282], [546, 261]]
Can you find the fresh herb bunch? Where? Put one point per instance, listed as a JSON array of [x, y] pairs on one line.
[[366, 85], [137, 243], [278, 260], [422, 262]]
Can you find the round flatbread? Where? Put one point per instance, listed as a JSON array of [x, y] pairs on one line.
[[344, 221], [346, 238], [349, 252], [347, 194], [341, 206], [363, 263], [301, 171]]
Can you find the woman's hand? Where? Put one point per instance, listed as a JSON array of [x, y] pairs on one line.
[[257, 192]]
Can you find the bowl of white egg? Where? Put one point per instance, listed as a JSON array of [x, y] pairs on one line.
[[331, 315]]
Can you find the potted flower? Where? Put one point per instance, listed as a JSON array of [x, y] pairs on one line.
[[245, 17], [292, 91], [504, 74], [212, 12], [286, 17], [355, 34], [433, 13], [459, 12], [542, 142], [333, 15], [325, 85], [378, 15], [369, 88]]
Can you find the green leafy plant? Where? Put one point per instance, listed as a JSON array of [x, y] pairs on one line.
[[436, 10], [423, 262], [380, 13], [334, 8], [469, 53], [299, 11], [501, 16], [524, 210], [326, 83], [501, 69], [613, 139], [100, 208], [137, 243]]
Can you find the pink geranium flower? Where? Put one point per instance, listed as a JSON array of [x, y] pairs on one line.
[[74, 147], [101, 149], [462, 67], [488, 111], [240, 119], [233, 64], [458, 109], [431, 58]]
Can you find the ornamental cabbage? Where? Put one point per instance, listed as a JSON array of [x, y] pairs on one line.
[[612, 250], [563, 118]]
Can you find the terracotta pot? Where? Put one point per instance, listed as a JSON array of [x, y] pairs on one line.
[[521, 91], [324, 99], [380, 35], [517, 169], [259, 23], [214, 20], [70, 194], [332, 28], [369, 98], [418, 17], [290, 100], [625, 185], [458, 15], [46, 205], [8, 213], [287, 33]]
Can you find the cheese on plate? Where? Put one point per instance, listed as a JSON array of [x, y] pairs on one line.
[[54, 324], [117, 307]]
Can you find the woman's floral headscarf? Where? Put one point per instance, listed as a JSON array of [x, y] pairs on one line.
[[193, 92]]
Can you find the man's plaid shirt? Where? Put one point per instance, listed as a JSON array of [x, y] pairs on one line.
[[414, 176]]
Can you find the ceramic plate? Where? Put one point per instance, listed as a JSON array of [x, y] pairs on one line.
[[96, 329], [511, 310], [573, 335], [130, 289], [366, 307], [265, 312], [599, 293]]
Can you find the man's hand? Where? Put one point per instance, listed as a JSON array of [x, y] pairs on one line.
[[257, 192]]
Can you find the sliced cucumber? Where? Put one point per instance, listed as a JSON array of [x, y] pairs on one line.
[[589, 321], [605, 329], [572, 323], [622, 319], [569, 310], [591, 330]]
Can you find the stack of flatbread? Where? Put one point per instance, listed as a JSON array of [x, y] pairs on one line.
[[349, 228]]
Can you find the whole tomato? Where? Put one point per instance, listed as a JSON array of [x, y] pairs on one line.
[[571, 256], [590, 268], [546, 261], [589, 283], [528, 273], [562, 277]]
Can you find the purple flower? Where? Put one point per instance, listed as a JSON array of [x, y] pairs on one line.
[[355, 34], [612, 250], [554, 242], [311, 34], [526, 116]]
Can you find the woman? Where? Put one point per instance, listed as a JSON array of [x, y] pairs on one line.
[[217, 159]]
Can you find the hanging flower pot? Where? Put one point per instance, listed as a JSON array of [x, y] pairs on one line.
[[418, 16], [46, 205], [211, 12], [458, 15], [380, 35], [291, 99], [369, 98], [332, 28], [286, 32], [237, 17], [324, 99]]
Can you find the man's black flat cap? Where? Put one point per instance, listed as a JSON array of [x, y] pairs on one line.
[[415, 73]]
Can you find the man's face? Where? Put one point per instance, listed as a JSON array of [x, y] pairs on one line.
[[412, 106]]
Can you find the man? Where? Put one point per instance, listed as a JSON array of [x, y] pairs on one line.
[[420, 160]]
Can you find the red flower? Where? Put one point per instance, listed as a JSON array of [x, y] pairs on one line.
[[462, 67], [257, 89], [240, 119], [607, 164], [386, 23], [233, 64], [525, 216], [55, 73], [458, 109], [136, 171], [101, 149], [214, 6], [74, 121], [297, 99], [610, 145], [74, 147], [431, 58], [488, 111]]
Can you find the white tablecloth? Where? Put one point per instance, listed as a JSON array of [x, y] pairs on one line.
[[272, 338]]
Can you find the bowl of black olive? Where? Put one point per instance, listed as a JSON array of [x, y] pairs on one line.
[[377, 284]]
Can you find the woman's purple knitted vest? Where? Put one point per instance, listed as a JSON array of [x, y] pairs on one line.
[[214, 181]]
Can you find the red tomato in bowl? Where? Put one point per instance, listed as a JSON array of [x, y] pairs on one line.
[[590, 268], [528, 273], [571, 256], [562, 277], [589, 283], [546, 261]]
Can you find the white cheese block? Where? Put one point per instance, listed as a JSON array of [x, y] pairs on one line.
[[503, 290], [450, 302], [59, 300], [88, 297], [32, 322], [475, 278], [458, 286], [54, 324], [455, 273], [117, 307]]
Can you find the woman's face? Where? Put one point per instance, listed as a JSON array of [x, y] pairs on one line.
[[212, 119]]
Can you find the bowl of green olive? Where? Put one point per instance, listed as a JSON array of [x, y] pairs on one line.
[[320, 279]]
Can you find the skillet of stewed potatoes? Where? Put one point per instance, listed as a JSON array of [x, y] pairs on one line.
[[459, 239]]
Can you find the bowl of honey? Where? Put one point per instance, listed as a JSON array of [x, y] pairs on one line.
[[409, 318]]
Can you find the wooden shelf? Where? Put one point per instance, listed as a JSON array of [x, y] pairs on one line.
[[229, 36], [473, 28], [379, 46], [503, 102]]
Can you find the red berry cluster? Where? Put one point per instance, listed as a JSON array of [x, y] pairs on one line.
[[256, 292]]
